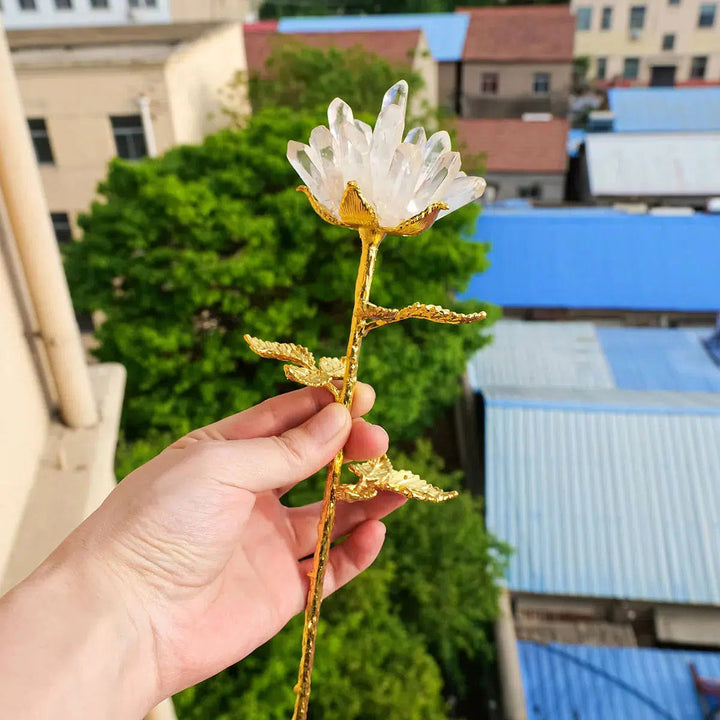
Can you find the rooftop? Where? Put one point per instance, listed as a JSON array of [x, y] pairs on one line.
[[514, 145], [665, 109], [583, 355], [576, 682], [445, 32], [397, 47], [599, 259], [606, 493], [520, 34], [653, 164]]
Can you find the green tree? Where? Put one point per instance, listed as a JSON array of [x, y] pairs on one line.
[[190, 250]]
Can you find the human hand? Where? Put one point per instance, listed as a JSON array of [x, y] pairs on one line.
[[198, 550]]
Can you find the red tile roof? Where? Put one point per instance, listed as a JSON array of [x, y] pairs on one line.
[[514, 145], [521, 33], [396, 46]]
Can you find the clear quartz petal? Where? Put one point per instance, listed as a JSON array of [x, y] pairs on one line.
[[326, 148], [396, 95], [437, 145], [462, 190], [354, 153], [365, 129], [307, 165], [399, 186], [416, 136], [435, 181], [387, 135], [339, 112]]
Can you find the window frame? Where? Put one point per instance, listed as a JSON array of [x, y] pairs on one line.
[[129, 136], [587, 12], [489, 83], [606, 14], [63, 5], [61, 227], [598, 65], [712, 7], [99, 4], [703, 62], [664, 46], [548, 82], [636, 60], [27, 5], [643, 14], [40, 137]]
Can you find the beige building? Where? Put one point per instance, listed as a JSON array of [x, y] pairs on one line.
[[657, 42], [91, 94]]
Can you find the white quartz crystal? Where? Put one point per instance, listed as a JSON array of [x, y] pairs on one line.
[[399, 178]]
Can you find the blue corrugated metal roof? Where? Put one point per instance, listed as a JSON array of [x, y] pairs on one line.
[[665, 109], [445, 32], [660, 359], [582, 682], [606, 493], [599, 259]]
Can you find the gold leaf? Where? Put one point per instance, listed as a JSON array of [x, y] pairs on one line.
[[381, 475], [418, 223], [438, 314], [377, 312], [318, 207], [287, 352], [353, 493], [355, 210], [334, 367], [311, 377]]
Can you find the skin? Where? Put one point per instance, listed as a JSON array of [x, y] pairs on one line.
[[190, 564]]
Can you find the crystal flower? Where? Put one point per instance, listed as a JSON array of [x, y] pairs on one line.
[[358, 176]]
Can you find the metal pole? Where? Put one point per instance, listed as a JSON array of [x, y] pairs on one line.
[[27, 209], [511, 686]]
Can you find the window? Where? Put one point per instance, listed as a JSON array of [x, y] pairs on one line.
[[41, 141], [541, 83], [27, 4], [601, 72], [707, 15], [143, 3], [668, 42], [637, 17], [63, 4], [698, 67], [533, 191], [584, 18], [489, 83], [99, 4], [129, 136], [673, 2], [631, 68], [61, 226], [606, 22]]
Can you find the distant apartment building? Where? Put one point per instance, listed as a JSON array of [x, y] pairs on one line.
[[29, 14], [662, 43], [94, 93], [515, 60], [401, 48]]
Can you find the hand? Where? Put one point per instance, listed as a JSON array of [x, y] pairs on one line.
[[197, 548]]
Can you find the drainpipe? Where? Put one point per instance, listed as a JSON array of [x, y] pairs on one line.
[[511, 687], [27, 209], [144, 102]]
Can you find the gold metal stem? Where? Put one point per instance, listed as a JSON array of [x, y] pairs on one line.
[[370, 243]]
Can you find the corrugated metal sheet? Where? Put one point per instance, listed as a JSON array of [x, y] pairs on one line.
[[599, 259], [653, 164], [606, 493], [580, 682], [445, 32], [660, 359], [665, 109], [545, 354]]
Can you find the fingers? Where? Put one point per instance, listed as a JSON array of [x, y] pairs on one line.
[[304, 520], [280, 413], [350, 557], [269, 463], [366, 441]]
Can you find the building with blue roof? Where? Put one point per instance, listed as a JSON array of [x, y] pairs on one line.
[[693, 109], [445, 32], [576, 682], [598, 260]]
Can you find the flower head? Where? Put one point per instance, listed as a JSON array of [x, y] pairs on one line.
[[358, 176]]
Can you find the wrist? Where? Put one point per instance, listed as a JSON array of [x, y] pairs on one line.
[[69, 642]]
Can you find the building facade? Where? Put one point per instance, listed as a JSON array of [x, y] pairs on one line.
[[665, 42], [91, 94], [29, 14]]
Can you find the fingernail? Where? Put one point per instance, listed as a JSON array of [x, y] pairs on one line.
[[329, 422]]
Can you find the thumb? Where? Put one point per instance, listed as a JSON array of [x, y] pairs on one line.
[[276, 462]]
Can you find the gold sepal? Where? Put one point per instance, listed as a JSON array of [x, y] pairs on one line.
[[418, 223], [287, 352], [320, 209], [355, 210], [380, 474]]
